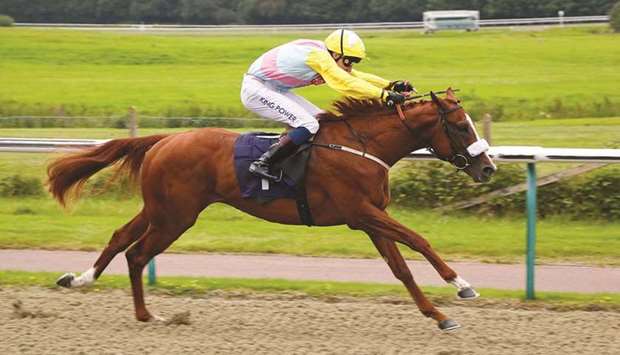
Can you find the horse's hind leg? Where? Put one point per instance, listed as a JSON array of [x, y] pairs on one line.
[[388, 249], [156, 239], [121, 239]]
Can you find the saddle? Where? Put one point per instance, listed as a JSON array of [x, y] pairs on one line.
[[249, 147]]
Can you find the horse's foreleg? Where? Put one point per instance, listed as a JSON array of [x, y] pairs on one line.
[[388, 249], [377, 222], [121, 239]]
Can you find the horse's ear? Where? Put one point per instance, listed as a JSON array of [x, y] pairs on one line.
[[436, 100], [450, 95], [450, 92]]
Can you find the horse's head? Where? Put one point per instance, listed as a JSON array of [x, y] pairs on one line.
[[455, 139]]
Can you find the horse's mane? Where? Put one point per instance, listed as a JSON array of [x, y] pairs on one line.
[[351, 108]]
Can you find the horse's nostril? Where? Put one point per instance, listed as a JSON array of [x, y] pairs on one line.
[[488, 171]]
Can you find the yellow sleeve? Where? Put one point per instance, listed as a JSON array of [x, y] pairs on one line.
[[373, 79], [338, 79]]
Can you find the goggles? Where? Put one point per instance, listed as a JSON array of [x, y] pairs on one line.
[[348, 61]]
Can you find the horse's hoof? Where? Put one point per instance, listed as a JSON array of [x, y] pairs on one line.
[[468, 293], [65, 280], [148, 318], [156, 318], [448, 325]]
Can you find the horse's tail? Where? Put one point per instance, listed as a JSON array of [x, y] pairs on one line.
[[72, 171]]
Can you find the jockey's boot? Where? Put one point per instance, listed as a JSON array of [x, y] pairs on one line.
[[277, 152]]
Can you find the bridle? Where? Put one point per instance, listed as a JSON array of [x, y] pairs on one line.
[[459, 160], [461, 156]]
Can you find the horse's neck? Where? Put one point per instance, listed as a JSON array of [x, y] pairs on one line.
[[383, 136]]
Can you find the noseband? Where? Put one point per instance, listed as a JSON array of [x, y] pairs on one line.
[[459, 160]]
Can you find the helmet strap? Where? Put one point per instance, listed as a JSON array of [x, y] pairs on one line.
[[341, 40]]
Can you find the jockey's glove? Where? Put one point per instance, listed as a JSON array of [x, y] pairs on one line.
[[401, 86], [391, 98]]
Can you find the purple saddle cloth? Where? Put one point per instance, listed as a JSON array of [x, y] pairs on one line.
[[248, 148]]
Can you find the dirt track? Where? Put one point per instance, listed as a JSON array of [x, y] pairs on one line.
[[69, 321]]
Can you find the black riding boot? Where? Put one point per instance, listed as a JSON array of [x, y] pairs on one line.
[[277, 152]]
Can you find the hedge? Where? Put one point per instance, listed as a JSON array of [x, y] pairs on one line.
[[435, 184], [6, 21]]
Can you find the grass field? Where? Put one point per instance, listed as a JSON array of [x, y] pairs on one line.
[[200, 286], [40, 223], [571, 72]]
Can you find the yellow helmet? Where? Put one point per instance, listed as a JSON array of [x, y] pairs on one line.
[[347, 43]]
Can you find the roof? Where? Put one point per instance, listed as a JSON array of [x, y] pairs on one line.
[[451, 13]]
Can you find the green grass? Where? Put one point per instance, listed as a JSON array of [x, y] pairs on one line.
[[525, 73], [40, 223], [558, 133], [197, 286]]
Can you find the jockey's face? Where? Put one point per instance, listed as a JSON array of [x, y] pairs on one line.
[[345, 63]]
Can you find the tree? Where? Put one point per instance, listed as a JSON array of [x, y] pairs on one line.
[[154, 11], [614, 17], [112, 11]]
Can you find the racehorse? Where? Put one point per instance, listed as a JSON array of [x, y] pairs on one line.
[[181, 174]]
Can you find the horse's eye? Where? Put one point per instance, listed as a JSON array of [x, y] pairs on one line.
[[463, 126]]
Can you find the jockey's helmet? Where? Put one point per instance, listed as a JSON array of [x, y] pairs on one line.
[[347, 43]]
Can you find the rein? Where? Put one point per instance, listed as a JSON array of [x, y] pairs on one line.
[[409, 98]]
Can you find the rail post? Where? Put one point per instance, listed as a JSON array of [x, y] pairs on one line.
[[152, 273], [133, 121], [531, 231], [487, 120]]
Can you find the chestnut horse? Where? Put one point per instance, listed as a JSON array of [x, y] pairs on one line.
[[181, 174]]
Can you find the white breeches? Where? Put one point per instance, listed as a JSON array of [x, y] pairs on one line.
[[286, 107]]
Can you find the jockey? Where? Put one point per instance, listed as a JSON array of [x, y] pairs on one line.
[[266, 87]]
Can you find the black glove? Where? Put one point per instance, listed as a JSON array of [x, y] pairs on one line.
[[391, 98], [402, 86]]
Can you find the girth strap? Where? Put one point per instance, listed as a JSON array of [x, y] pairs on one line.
[[299, 176], [303, 208]]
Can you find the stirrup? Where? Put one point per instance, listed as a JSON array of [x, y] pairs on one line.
[[255, 168]]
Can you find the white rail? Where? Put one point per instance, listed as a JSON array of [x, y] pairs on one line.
[[46, 145], [318, 26], [501, 153]]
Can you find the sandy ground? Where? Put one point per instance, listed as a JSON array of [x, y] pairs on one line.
[[73, 322]]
